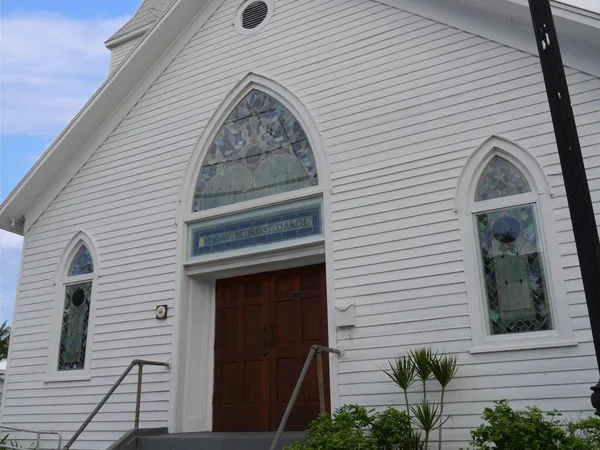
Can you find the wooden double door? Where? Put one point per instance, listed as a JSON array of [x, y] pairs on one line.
[[265, 326]]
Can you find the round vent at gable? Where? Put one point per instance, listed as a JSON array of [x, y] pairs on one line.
[[253, 15]]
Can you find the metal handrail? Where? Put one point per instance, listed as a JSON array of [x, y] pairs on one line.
[[38, 434], [314, 350], [136, 362]]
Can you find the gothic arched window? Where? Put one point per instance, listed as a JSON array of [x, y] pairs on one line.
[[510, 251], [260, 150], [76, 310]]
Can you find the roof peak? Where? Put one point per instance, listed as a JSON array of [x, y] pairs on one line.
[[147, 14]]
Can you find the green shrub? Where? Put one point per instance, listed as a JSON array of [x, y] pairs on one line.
[[531, 429], [354, 428]]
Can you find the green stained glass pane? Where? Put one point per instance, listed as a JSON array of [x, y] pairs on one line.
[[513, 271], [82, 262], [260, 150], [74, 329], [500, 179]]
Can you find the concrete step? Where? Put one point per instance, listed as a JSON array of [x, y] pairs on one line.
[[218, 441]]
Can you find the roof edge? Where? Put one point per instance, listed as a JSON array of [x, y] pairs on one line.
[[112, 43], [509, 23], [101, 114]]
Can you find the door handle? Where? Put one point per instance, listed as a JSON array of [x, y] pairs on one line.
[[272, 336], [264, 341]]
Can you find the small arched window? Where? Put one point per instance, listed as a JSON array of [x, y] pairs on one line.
[[260, 150], [512, 262], [77, 289]]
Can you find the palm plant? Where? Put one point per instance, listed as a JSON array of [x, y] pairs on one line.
[[426, 416], [421, 359], [402, 373], [4, 340], [444, 368], [423, 364]]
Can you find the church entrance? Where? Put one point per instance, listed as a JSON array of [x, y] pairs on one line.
[[265, 326]]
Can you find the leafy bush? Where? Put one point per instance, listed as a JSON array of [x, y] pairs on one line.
[[354, 428], [531, 429]]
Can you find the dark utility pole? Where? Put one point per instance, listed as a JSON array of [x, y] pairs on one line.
[[571, 161]]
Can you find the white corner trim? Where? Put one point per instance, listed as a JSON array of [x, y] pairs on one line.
[[466, 207]]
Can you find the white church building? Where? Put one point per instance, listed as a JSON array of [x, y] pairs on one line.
[[255, 177]]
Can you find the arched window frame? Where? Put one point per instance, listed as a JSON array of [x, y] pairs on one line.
[[62, 281], [250, 82], [467, 208]]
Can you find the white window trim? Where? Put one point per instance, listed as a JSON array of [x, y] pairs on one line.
[[562, 333], [61, 282]]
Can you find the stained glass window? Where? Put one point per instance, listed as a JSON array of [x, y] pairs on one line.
[[500, 179], [76, 312], [260, 150], [73, 336], [82, 262], [513, 270]]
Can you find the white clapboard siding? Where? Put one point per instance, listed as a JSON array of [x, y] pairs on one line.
[[118, 54], [401, 102]]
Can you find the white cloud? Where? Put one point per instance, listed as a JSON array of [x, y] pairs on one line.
[[10, 258], [10, 241], [51, 65]]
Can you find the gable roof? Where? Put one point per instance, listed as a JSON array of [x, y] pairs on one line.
[[506, 21], [147, 15]]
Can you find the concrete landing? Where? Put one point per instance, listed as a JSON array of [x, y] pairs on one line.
[[217, 441]]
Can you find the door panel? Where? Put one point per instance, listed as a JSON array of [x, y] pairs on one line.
[[265, 327], [297, 310], [241, 365]]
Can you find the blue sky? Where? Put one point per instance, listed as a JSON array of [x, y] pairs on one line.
[[52, 60]]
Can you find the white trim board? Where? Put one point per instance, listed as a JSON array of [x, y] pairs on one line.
[[508, 22]]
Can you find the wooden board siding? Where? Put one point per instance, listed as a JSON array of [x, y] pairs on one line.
[[401, 102], [118, 54]]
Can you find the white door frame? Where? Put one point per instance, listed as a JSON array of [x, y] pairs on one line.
[[190, 407], [197, 326]]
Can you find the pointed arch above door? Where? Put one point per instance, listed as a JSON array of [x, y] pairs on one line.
[[299, 158], [261, 149]]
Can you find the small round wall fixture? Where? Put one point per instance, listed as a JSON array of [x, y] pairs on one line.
[[253, 15], [161, 312]]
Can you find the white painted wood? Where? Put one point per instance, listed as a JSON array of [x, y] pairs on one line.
[[397, 103], [122, 51]]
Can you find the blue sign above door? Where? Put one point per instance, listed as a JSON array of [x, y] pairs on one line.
[[256, 227]]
